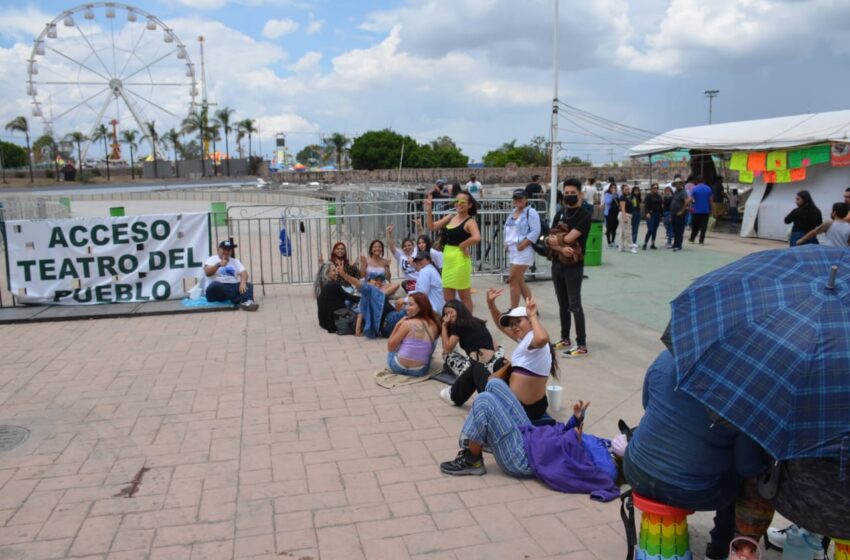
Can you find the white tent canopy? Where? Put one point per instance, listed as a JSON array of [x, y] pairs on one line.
[[763, 134]]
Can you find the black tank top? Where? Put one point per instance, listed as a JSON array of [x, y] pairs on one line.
[[456, 235]]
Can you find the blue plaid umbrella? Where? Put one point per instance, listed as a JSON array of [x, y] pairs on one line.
[[765, 344]]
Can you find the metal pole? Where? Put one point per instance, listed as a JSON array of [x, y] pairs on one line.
[[553, 189], [711, 94]]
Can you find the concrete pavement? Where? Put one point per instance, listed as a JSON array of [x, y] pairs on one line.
[[257, 435]]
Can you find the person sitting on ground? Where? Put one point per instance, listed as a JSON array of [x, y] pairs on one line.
[[533, 360], [424, 243], [429, 282], [374, 262], [561, 456], [684, 456], [229, 279], [413, 338], [460, 327], [339, 257], [404, 257], [836, 231], [330, 296], [375, 317]]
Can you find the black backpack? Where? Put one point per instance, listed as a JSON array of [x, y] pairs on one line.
[[345, 320]]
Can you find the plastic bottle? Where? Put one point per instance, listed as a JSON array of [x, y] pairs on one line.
[[799, 544]]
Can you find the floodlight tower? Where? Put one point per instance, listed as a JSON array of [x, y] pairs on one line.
[[711, 94]]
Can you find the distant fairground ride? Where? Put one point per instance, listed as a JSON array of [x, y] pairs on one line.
[[112, 64]]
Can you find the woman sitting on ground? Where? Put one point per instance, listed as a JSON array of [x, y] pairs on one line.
[[460, 327], [404, 257], [339, 257], [424, 243], [413, 338], [330, 296], [533, 360], [374, 262], [376, 309]]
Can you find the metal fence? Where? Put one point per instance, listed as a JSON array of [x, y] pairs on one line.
[[312, 230]]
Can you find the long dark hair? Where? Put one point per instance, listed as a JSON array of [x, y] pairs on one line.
[[456, 188], [426, 312], [637, 194], [427, 241], [379, 242], [465, 319], [333, 253], [473, 204], [807, 198]]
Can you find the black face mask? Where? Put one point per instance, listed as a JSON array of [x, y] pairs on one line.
[[571, 199]]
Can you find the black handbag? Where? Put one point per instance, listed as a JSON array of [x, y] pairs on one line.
[[345, 320]]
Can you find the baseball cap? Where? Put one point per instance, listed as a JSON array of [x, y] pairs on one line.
[[505, 319], [520, 193], [227, 244], [440, 182], [421, 255], [377, 276]]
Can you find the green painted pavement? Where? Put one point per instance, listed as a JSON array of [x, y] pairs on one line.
[[640, 287]]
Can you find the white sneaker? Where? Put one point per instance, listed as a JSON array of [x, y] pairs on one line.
[[775, 538], [249, 305], [446, 395], [634, 249]]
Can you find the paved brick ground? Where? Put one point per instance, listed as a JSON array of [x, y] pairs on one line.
[[264, 437]]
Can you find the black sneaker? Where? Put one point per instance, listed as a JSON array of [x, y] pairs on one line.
[[644, 246], [653, 247], [714, 552], [464, 464]]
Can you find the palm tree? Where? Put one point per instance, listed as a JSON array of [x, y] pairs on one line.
[[102, 133], [129, 137], [223, 116], [246, 126], [197, 121], [152, 135], [338, 142], [48, 143], [77, 138], [173, 137], [20, 124]]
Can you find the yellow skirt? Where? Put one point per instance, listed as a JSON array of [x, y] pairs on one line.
[[457, 268]]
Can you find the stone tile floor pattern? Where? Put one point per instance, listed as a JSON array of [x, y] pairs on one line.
[[265, 437]]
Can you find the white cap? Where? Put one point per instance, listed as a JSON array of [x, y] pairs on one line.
[[515, 312]]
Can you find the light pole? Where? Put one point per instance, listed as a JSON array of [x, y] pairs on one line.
[[711, 94]]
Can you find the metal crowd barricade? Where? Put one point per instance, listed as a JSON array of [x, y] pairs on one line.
[[312, 230]]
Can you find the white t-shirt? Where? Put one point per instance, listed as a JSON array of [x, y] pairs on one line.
[[430, 284], [226, 274], [535, 360], [405, 263], [474, 187], [437, 258]]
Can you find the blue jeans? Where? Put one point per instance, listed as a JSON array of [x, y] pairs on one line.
[[668, 226], [396, 367], [720, 499], [652, 227], [635, 225], [796, 235], [219, 291], [390, 321]]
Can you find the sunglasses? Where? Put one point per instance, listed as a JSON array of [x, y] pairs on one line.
[[460, 201]]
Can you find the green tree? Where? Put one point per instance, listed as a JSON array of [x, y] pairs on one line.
[[198, 121], [338, 143], [246, 127], [11, 155], [172, 138], [574, 161], [101, 133], [77, 138], [149, 130], [310, 155], [20, 124], [223, 117], [447, 154], [213, 132], [45, 146], [380, 149], [130, 137], [535, 153]]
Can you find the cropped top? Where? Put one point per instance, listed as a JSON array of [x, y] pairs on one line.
[[456, 235], [534, 361], [416, 349]]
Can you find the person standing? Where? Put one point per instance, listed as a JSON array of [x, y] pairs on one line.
[[522, 228], [653, 207], [804, 218], [701, 196], [847, 201], [733, 206], [610, 211], [567, 278], [636, 202], [667, 215], [679, 206], [624, 203], [473, 187], [534, 189], [460, 234], [836, 232]]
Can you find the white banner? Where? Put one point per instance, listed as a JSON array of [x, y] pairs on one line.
[[105, 260]]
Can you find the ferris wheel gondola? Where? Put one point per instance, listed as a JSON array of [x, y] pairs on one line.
[[107, 61]]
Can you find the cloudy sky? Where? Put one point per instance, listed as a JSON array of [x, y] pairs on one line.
[[479, 71]]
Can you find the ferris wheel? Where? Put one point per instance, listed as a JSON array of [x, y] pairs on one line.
[[113, 64]]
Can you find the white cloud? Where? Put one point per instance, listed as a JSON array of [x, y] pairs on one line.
[[309, 63], [23, 24], [314, 25], [276, 28]]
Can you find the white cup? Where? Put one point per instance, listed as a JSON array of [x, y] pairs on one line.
[[554, 394]]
